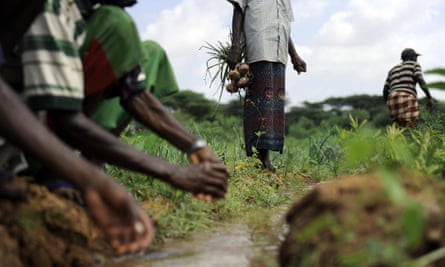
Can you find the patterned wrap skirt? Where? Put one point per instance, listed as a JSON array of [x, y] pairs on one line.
[[403, 107], [264, 118]]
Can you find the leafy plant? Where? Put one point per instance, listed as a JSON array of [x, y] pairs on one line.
[[217, 66], [439, 84]]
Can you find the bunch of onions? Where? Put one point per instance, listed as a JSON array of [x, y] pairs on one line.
[[217, 67], [239, 77]]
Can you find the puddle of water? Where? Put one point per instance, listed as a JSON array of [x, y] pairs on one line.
[[230, 246], [239, 244]]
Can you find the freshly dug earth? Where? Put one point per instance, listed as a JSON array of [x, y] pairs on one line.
[[46, 231], [367, 220]]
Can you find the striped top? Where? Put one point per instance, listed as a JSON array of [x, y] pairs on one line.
[[404, 77], [52, 67]]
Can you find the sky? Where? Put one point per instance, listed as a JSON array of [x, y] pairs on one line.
[[348, 45]]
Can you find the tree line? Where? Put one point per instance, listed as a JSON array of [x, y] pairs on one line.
[[301, 121]]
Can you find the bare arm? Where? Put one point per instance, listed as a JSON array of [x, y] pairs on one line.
[[82, 133], [35, 139], [145, 108], [110, 205], [424, 88], [422, 84], [234, 56], [298, 63]]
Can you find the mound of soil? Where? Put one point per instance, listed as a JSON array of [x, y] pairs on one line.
[[47, 230], [366, 220]]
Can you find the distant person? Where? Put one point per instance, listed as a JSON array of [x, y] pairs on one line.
[[400, 92], [268, 43]]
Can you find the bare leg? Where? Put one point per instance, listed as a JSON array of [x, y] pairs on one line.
[[265, 159]]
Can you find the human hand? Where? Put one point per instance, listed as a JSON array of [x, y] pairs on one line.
[[202, 155], [126, 226], [430, 104], [199, 156], [299, 64], [207, 180]]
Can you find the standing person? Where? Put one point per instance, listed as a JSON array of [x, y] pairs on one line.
[[265, 26], [400, 92]]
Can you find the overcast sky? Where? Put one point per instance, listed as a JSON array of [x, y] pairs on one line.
[[348, 45]]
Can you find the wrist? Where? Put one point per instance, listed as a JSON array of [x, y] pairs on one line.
[[197, 145]]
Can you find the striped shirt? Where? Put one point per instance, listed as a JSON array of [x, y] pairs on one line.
[[52, 67], [404, 77]]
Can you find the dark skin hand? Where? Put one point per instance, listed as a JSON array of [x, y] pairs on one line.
[[79, 131], [147, 109], [297, 62], [126, 226]]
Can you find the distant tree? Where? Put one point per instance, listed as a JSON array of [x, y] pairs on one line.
[[192, 103], [233, 108], [305, 127]]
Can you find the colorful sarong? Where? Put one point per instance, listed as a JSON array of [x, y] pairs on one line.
[[403, 107], [264, 119]]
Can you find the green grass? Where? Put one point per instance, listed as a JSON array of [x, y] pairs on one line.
[[323, 156]]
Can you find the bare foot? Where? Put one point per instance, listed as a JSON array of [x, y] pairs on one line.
[[127, 227]]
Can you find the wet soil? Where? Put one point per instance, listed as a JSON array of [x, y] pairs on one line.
[[221, 247]]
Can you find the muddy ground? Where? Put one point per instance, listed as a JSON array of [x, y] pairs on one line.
[[348, 221], [47, 231], [355, 221]]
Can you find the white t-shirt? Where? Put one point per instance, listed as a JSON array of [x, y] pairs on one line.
[[266, 29]]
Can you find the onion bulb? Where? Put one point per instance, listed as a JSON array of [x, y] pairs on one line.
[[231, 88], [243, 82], [243, 69], [234, 75]]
